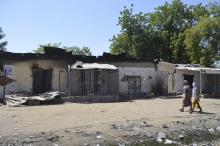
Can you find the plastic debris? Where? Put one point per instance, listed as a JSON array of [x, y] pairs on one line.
[[181, 137], [161, 135], [159, 140], [218, 128], [99, 137], [168, 141], [211, 130]]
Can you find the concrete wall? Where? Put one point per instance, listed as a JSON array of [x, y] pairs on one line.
[[22, 73], [148, 76], [179, 78], [169, 70]]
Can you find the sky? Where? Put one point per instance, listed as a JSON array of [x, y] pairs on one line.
[[91, 23]]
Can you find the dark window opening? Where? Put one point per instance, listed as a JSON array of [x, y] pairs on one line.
[[42, 80]]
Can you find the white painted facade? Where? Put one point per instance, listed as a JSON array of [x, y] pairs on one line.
[[179, 79], [148, 76]]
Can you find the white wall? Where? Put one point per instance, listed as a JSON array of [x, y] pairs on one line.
[[22, 73], [179, 78], [145, 73]]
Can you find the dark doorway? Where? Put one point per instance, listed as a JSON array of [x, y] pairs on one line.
[[42, 80], [134, 85], [189, 78]]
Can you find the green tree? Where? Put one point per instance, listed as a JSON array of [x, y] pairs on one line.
[[75, 50], [160, 33], [203, 41], [79, 51], [136, 37], [170, 22], [40, 49], [2, 43]]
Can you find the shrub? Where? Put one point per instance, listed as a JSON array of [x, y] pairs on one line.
[[157, 86]]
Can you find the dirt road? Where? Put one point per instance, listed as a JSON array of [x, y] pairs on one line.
[[29, 120]]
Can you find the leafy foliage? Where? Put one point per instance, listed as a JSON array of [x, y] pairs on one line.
[[203, 41], [75, 50], [40, 49], [79, 51], [164, 33]]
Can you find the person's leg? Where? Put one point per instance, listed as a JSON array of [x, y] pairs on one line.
[[191, 109], [183, 105], [193, 104], [198, 106]]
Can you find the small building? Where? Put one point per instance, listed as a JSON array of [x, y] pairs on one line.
[[137, 76], [93, 79], [114, 75], [37, 73], [207, 79]]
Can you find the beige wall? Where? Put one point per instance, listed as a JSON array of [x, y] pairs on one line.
[[145, 73], [22, 73]]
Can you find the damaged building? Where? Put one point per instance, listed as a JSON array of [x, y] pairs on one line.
[[207, 79], [78, 75]]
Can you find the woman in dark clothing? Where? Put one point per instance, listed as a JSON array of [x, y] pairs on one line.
[[187, 95]]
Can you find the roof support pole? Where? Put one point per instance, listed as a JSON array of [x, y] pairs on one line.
[[69, 79], [215, 84], [4, 101], [200, 82], [59, 81]]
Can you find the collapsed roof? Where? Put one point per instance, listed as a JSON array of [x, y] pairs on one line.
[[54, 53]]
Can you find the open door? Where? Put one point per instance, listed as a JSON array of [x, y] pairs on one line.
[[189, 78]]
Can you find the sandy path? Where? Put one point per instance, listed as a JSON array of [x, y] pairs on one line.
[[25, 120]]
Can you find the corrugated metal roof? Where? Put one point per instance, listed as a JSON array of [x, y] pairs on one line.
[[207, 70], [80, 65]]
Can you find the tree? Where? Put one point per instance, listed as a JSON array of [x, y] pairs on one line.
[[160, 33], [3, 43], [203, 41], [79, 51], [40, 49], [170, 22], [75, 50], [136, 37]]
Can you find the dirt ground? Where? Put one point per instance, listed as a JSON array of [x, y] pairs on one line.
[[97, 116]]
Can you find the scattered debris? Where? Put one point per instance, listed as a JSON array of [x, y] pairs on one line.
[[181, 137], [55, 144], [161, 135], [164, 126], [168, 141], [218, 128], [211, 130], [159, 140], [22, 100], [99, 137]]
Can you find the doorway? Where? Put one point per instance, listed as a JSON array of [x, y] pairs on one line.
[[42, 80], [189, 78], [134, 85]]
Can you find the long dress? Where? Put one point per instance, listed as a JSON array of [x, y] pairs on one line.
[[187, 95]]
